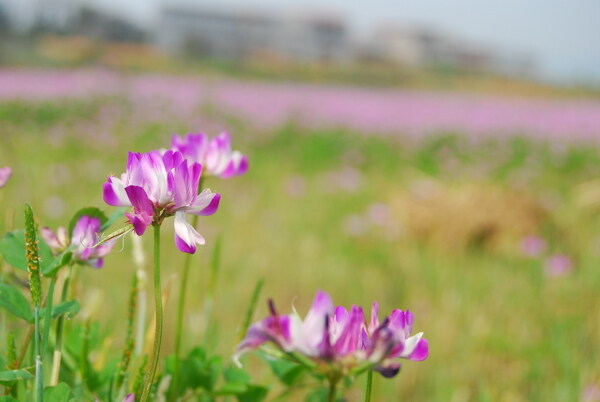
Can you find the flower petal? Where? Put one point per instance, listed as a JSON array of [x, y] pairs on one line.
[[5, 175], [314, 324], [388, 369], [186, 237], [51, 239], [142, 208], [416, 348], [206, 203], [114, 193], [348, 341]]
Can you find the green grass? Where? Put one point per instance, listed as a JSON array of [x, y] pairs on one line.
[[499, 329]]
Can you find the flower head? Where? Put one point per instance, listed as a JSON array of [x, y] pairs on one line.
[[339, 339], [5, 174], [85, 235], [215, 155], [533, 246], [559, 265], [158, 186]]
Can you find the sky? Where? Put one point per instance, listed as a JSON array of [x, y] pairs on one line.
[[563, 36]]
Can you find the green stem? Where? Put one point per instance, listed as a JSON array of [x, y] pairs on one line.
[[48, 312], [39, 374], [251, 307], [332, 388], [180, 310], [369, 386], [159, 316], [57, 357]]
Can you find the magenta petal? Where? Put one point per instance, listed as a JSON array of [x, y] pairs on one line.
[[229, 171], [348, 341], [210, 208], [421, 351], [139, 199], [95, 262], [114, 193], [129, 398], [182, 191], [183, 246], [254, 338], [243, 167], [139, 224]]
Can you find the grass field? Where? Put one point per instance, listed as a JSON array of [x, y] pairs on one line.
[[434, 224]]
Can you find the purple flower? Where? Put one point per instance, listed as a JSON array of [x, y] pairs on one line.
[[5, 174], [215, 155], [158, 186], [559, 265], [85, 235], [533, 246], [341, 340]]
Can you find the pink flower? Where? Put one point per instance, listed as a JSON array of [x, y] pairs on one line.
[[85, 235], [559, 265], [341, 340], [158, 186], [5, 175], [215, 155], [533, 246]]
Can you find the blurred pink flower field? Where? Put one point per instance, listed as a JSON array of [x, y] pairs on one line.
[[268, 105]]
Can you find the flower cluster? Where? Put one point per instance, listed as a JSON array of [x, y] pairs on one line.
[[85, 235], [215, 155], [339, 340], [158, 185]]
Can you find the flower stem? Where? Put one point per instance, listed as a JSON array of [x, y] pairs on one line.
[[57, 357], [369, 386], [180, 310], [159, 316], [332, 388], [48, 311], [39, 374]]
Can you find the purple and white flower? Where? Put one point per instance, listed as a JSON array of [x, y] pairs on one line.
[[215, 154], [158, 186], [85, 235], [341, 340], [5, 174]]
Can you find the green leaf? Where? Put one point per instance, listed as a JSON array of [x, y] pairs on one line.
[[60, 261], [231, 388], [15, 375], [70, 308], [12, 248], [197, 371], [287, 372], [88, 211], [14, 301], [59, 393], [233, 374], [254, 393], [115, 216], [6, 398], [318, 395]]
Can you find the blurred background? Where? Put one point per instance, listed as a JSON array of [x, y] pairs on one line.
[[437, 156]]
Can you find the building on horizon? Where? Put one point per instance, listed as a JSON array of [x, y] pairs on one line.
[[242, 35]]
